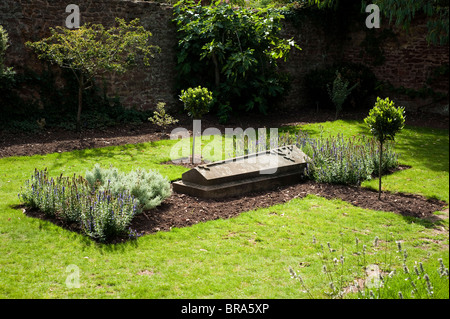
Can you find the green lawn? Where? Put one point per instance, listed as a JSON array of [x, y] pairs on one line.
[[425, 150], [243, 257]]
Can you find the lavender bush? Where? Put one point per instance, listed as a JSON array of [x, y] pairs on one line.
[[341, 160], [100, 214], [108, 216]]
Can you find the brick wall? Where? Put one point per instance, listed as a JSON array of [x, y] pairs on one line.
[[409, 59], [409, 62], [27, 20], [315, 53]]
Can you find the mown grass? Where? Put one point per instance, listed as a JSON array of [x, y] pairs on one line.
[[243, 257]]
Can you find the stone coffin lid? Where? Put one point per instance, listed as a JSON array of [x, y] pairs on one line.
[[275, 161]]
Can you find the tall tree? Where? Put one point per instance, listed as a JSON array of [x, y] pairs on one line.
[[93, 50], [234, 52]]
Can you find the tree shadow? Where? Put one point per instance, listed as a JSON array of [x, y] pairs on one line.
[[429, 147], [83, 156]]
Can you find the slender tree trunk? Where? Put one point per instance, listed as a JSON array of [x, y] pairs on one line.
[[193, 149], [379, 171], [80, 101], [195, 129], [216, 69]]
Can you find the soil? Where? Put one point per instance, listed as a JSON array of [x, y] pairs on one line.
[[181, 210]]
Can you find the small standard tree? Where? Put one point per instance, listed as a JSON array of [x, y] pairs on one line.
[[197, 102], [93, 50], [384, 121]]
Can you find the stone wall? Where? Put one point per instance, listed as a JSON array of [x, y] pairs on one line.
[[409, 60]]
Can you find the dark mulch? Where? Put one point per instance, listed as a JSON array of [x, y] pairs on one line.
[[181, 210], [59, 140]]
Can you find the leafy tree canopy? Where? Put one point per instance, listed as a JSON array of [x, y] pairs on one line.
[[234, 52], [93, 50], [385, 120]]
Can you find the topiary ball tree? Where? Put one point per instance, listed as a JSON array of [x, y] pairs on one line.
[[385, 121], [197, 102]]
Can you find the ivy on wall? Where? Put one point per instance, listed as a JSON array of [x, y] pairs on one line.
[[396, 12], [372, 45]]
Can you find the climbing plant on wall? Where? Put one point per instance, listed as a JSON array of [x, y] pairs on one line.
[[402, 12], [234, 52], [6, 73]]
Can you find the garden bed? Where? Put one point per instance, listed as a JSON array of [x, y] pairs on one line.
[[181, 210]]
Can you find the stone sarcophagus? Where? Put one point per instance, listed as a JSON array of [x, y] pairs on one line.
[[244, 174]]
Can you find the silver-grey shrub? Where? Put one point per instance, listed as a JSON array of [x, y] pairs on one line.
[[148, 187]]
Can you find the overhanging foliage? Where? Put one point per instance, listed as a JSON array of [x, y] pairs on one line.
[[233, 52]]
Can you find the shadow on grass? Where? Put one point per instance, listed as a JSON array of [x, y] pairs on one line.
[[433, 222], [429, 147], [124, 153]]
